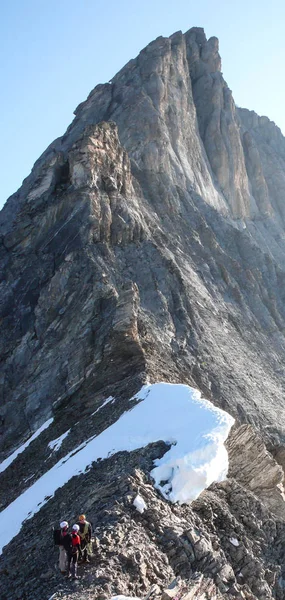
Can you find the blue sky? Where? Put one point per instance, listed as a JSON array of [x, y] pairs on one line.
[[53, 52]]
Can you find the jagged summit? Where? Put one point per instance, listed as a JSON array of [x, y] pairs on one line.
[[148, 245], [176, 84]]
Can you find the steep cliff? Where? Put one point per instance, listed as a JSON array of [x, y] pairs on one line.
[[148, 243]]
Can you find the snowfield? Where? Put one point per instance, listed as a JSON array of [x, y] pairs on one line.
[[21, 449], [194, 428]]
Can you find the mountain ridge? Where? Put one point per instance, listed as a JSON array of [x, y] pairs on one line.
[[148, 244]]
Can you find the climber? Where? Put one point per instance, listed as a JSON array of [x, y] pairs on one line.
[[85, 532], [73, 552], [60, 537]]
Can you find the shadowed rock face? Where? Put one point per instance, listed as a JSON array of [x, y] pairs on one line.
[[62, 314], [148, 243]]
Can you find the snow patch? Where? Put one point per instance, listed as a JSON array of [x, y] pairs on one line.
[[28, 478], [110, 399], [140, 504], [121, 597], [234, 541], [55, 444], [165, 412], [21, 449]]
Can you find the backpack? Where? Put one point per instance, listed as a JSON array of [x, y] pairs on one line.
[[66, 542], [57, 537]]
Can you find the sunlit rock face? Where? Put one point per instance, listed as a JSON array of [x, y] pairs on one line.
[[217, 121]]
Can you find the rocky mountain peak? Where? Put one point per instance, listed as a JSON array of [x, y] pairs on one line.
[[203, 54], [147, 245]]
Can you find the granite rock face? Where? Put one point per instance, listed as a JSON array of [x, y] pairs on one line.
[[148, 243]]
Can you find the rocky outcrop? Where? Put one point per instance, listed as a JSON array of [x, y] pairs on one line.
[[225, 543], [255, 468]]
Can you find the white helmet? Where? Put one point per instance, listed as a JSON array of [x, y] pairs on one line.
[[75, 527], [63, 524]]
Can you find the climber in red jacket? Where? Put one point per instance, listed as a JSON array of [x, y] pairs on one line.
[[73, 551]]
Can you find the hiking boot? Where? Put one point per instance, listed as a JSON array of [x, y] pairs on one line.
[[75, 577], [87, 560]]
